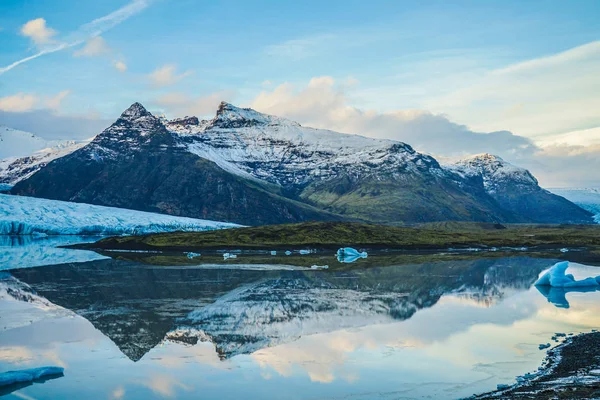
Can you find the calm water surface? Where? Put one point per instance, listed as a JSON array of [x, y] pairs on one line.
[[435, 330]]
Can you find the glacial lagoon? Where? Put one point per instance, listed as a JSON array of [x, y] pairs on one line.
[[126, 330]]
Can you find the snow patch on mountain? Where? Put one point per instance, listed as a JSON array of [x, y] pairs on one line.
[[13, 169], [493, 170], [280, 151], [16, 143], [28, 215]]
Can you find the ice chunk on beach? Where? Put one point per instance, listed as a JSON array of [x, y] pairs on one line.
[[349, 255], [556, 277], [29, 375]]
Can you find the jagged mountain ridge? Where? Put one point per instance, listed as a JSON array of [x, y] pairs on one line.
[[516, 189], [251, 168]]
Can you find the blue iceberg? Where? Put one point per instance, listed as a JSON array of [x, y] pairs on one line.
[[556, 278], [349, 255], [30, 375]]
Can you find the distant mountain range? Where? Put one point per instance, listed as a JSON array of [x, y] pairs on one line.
[[251, 168], [23, 153]]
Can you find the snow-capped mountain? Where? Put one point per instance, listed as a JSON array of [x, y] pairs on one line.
[[15, 143], [494, 171], [516, 189], [13, 170], [251, 168], [283, 152], [21, 215]]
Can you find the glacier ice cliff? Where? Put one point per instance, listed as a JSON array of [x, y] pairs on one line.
[[21, 215]]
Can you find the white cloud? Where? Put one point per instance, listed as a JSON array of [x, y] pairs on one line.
[[86, 31], [537, 98], [38, 32], [23, 102], [167, 75], [120, 66], [95, 46], [54, 102], [324, 104], [18, 103]]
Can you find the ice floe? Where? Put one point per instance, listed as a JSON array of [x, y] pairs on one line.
[[556, 278], [30, 375], [349, 255]]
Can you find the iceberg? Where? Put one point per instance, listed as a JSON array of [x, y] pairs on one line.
[[558, 296], [288, 253], [30, 375], [273, 253], [555, 277], [319, 267], [20, 215], [227, 256], [192, 255], [349, 255]]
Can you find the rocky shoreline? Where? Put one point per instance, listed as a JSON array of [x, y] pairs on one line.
[[570, 371]]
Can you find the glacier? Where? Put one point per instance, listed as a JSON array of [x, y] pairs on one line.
[[21, 215], [27, 251], [586, 198]]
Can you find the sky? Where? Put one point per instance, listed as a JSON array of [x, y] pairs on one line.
[[512, 78]]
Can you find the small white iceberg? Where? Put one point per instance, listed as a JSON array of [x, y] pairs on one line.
[[30, 375], [555, 277], [227, 256], [273, 253], [192, 255], [564, 250], [349, 255], [288, 253], [305, 251]]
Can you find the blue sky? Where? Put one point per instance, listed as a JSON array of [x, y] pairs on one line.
[[525, 67]]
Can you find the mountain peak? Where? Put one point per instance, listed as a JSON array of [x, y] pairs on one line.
[[486, 157], [230, 116], [135, 111]]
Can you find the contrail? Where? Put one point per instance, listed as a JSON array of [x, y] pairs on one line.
[[88, 31]]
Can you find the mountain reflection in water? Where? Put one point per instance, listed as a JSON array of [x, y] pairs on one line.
[[443, 329], [242, 311]]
